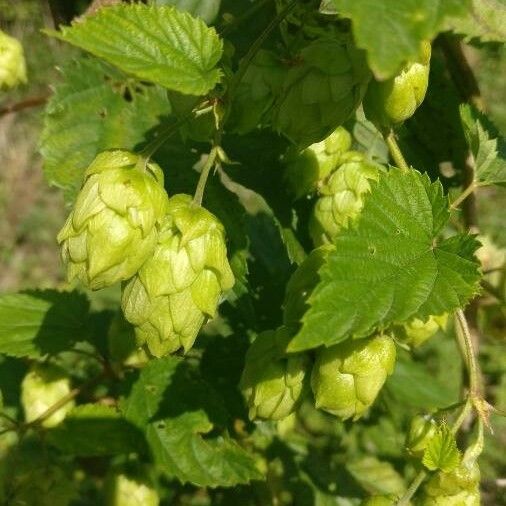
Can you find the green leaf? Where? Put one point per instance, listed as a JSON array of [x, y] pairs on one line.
[[177, 410], [91, 430], [158, 44], [488, 148], [376, 477], [486, 21], [205, 9], [413, 385], [389, 267], [94, 109], [33, 324], [442, 452], [391, 30]]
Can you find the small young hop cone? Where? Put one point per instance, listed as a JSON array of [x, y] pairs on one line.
[[12, 62], [42, 387], [341, 197], [179, 287], [390, 102], [416, 332], [273, 382], [348, 376], [113, 227]]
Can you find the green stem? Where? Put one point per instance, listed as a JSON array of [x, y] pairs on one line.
[[465, 342], [395, 151], [413, 487], [463, 196], [201, 185]]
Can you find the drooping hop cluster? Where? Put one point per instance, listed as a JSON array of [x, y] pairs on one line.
[[393, 101], [12, 62], [113, 227], [273, 383], [179, 287], [42, 387], [125, 490], [460, 487], [348, 376], [416, 332], [342, 197], [304, 170], [301, 285]]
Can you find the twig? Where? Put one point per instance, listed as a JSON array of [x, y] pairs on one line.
[[24, 104], [464, 195], [199, 191], [395, 151], [413, 487]]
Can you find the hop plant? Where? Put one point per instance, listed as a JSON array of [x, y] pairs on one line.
[[12, 62], [393, 101], [273, 382], [341, 197], [301, 284], [347, 377], [416, 332], [460, 487], [179, 287], [421, 431], [126, 490], [42, 387], [113, 227], [322, 88], [304, 170]]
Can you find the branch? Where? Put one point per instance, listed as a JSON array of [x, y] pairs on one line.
[[24, 104]]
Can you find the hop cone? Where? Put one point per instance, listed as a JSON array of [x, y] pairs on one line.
[[124, 490], [421, 431], [179, 287], [273, 382], [12, 62], [306, 169], [322, 88], [113, 227], [341, 197], [393, 101], [301, 285], [416, 331], [348, 376], [460, 487], [43, 386]]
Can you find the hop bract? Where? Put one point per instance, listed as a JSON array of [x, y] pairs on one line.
[[179, 287], [341, 197], [43, 386], [301, 285], [113, 227], [272, 381], [323, 86], [460, 487], [306, 169], [347, 377], [421, 430], [393, 101], [125, 490], [12, 62], [415, 332]]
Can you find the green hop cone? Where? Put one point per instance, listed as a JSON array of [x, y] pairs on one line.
[[180, 286], [113, 227], [126, 490], [416, 332], [301, 285], [421, 430], [322, 88], [304, 170], [342, 197], [273, 382], [393, 101], [42, 387], [12, 62], [348, 376], [460, 487]]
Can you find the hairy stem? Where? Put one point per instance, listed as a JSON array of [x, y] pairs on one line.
[[201, 185], [413, 487], [395, 151], [464, 195]]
